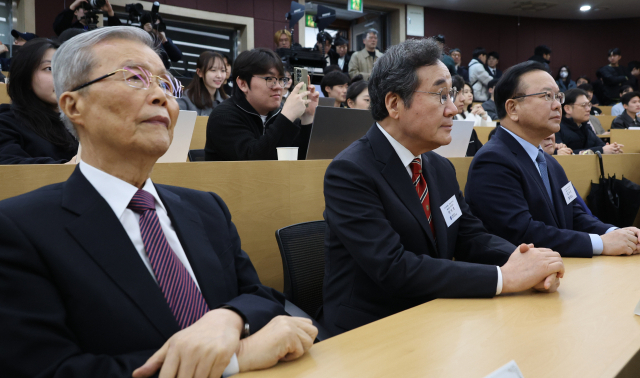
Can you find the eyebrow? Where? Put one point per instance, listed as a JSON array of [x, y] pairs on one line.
[[439, 82], [45, 61], [133, 63]]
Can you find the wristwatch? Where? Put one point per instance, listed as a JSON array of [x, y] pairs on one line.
[[246, 330]]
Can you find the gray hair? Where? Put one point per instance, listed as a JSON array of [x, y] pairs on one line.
[[396, 72], [73, 61]]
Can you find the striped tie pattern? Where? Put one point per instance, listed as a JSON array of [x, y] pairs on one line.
[[179, 289], [423, 191]]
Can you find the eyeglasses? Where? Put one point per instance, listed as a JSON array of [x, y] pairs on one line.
[[271, 81], [444, 95], [140, 78], [586, 105], [547, 96]]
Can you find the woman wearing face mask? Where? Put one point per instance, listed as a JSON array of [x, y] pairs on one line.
[[563, 79], [31, 131], [204, 92]]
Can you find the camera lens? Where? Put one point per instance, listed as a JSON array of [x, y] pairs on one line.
[[97, 3]]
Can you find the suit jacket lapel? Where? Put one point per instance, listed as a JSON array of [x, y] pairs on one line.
[[100, 233], [558, 199], [195, 242], [436, 200]]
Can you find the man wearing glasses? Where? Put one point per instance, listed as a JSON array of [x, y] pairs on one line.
[[399, 232], [109, 274], [522, 193], [251, 124]]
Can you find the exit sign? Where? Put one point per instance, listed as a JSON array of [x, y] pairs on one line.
[[308, 21], [355, 5]]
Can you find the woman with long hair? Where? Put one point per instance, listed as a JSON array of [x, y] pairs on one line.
[[470, 112], [31, 131], [563, 79], [204, 92], [358, 95]]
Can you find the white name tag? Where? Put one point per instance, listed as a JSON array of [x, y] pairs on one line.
[[569, 193], [510, 370], [451, 210]]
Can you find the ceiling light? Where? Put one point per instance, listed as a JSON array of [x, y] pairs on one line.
[[585, 8]]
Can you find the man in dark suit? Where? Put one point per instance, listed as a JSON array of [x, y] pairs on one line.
[[521, 193], [395, 214], [341, 56], [107, 270]]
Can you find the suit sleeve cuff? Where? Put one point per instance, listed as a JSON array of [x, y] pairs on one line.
[[233, 368], [596, 244], [499, 286]]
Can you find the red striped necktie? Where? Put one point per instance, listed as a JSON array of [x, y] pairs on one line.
[[423, 192], [185, 300]]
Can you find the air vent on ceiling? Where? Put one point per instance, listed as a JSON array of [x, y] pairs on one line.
[[532, 6]]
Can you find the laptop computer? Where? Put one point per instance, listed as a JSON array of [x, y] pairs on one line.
[[334, 129]]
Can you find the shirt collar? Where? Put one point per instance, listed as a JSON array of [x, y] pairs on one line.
[[406, 157], [116, 192], [531, 150]]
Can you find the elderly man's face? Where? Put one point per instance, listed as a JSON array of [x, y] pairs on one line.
[[116, 117], [535, 112]]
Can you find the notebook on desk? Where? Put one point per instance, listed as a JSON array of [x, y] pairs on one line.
[[334, 129]]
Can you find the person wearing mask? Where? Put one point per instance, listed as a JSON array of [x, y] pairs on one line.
[[493, 58], [469, 111], [205, 91], [340, 56], [631, 103], [335, 85], [479, 77], [542, 54], [456, 55], [521, 193], [358, 95], [563, 79], [389, 246], [460, 102], [282, 39], [362, 61], [618, 108], [575, 132], [613, 76], [168, 51], [31, 131], [251, 124], [64, 20], [490, 105], [228, 85]]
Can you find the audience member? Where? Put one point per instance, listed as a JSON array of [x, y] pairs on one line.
[[323, 46], [460, 103], [168, 51], [341, 56], [591, 97], [204, 92], [631, 104], [362, 61], [469, 111], [251, 124], [31, 131], [618, 108], [331, 68], [283, 39], [490, 105], [228, 84], [613, 76], [479, 77], [68, 34], [521, 193], [380, 262], [335, 85], [574, 130], [583, 80], [542, 54], [77, 9], [288, 69], [563, 79], [446, 59], [634, 74], [19, 39], [550, 146], [456, 55], [108, 270], [358, 95], [493, 58]]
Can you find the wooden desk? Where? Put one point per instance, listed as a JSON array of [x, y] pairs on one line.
[[587, 329], [606, 110], [199, 138], [630, 139], [483, 132], [4, 96], [605, 121]]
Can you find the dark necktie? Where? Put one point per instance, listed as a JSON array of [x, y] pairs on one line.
[[542, 164], [185, 300], [423, 192]]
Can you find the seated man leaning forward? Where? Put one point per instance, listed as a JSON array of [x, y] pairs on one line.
[[251, 124], [395, 214], [111, 275], [522, 193]]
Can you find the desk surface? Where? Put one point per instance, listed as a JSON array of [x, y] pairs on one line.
[[587, 329]]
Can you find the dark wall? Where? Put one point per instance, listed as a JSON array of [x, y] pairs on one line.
[[582, 45], [268, 14]]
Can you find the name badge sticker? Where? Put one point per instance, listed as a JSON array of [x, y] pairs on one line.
[[569, 193], [451, 210]]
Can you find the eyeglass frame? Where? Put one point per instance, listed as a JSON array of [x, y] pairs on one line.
[[151, 76], [585, 105], [453, 90], [285, 81], [555, 97]]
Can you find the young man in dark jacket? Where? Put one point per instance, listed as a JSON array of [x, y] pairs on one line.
[[629, 118], [250, 125], [613, 77]]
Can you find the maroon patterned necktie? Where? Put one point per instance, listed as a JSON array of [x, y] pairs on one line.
[[179, 289], [423, 192]]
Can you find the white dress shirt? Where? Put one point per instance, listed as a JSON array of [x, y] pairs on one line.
[[118, 194], [406, 157], [341, 62], [532, 151]]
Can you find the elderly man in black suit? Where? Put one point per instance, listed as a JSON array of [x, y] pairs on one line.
[[111, 275]]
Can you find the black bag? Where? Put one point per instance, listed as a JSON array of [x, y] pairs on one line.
[[614, 201]]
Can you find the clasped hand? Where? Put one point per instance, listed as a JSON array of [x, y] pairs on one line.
[[529, 267]]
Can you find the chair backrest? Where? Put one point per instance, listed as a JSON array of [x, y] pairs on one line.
[[302, 250]]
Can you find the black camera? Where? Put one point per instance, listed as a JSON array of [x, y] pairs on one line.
[[155, 17], [135, 12], [90, 14], [97, 4]]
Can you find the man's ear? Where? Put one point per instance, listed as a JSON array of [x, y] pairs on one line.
[[244, 87], [511, 107], [394, 104], [72, 104]]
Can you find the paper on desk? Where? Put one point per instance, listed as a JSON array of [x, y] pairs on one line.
[[510, 370], [637, 311], [634, 128]]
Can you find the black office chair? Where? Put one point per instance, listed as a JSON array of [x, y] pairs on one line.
[[302, 250], [196, 155]]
